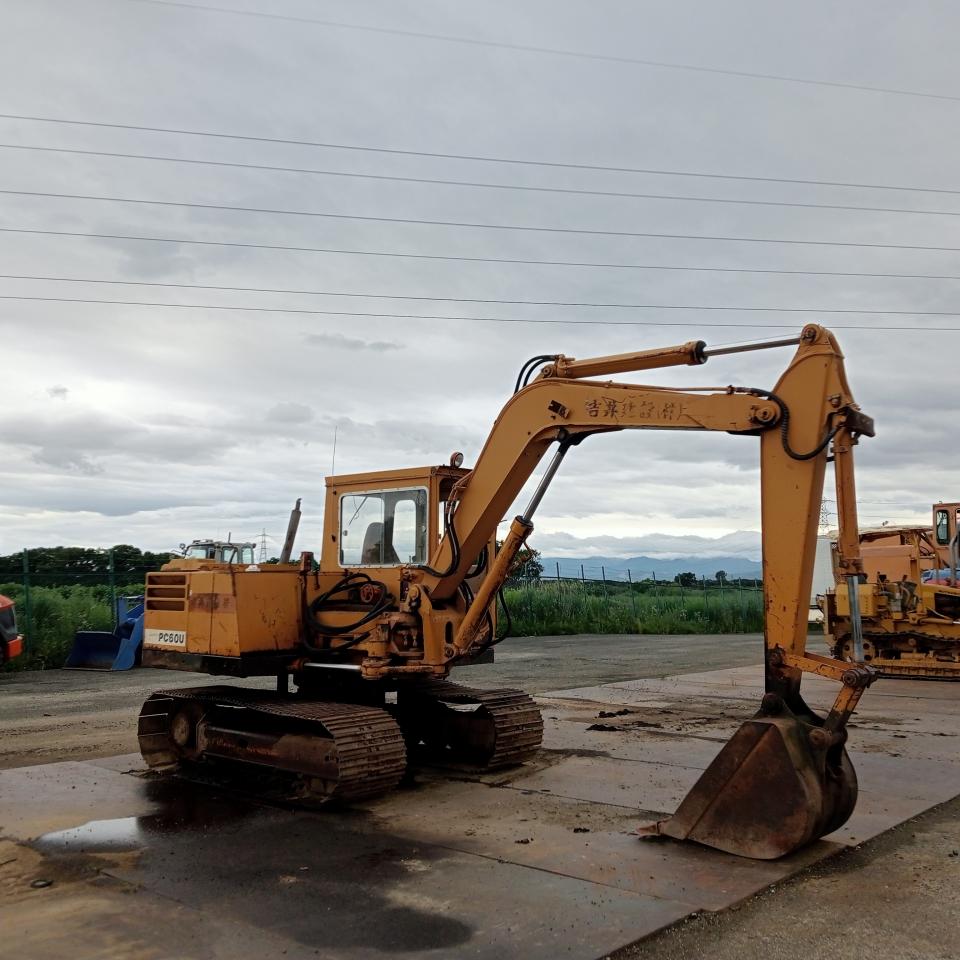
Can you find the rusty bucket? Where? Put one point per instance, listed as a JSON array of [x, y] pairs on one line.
[[782, 781]]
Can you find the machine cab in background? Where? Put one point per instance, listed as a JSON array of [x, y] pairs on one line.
[[220, 551], [945, 521], [946, 543]]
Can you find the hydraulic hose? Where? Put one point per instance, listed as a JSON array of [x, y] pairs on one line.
[[785, 427], [508, 629], [526, 371], [479, 566], [449, 530], [343, 585]]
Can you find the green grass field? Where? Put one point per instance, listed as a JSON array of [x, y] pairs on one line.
[[543, 608]]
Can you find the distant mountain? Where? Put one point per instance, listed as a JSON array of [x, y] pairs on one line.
[[615, 568]]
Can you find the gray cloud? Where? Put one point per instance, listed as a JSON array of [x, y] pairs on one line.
[[63, 459], [289, 412], [339, 340], [57, 392], [84, 440]]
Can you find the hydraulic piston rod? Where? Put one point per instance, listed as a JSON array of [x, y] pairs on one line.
[[856, 622], [749, 347], [545, 480], [520, 529]]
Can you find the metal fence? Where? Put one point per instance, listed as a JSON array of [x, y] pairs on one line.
[[31, 575], [643, 580], [599, 573]]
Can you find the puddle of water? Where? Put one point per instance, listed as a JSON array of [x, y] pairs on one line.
[[184, 808], [97, 836]]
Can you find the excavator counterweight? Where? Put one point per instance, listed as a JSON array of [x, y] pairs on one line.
[[406, 585]]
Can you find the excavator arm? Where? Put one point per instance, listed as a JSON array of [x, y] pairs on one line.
[[808, 415], [789, 763]]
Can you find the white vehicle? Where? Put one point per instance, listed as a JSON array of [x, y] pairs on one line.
[[823, 576]]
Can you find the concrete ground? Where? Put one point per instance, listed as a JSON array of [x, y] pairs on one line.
[[563, 876]]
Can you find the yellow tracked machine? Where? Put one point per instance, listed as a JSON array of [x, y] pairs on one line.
[[405, 587], [908, 603]]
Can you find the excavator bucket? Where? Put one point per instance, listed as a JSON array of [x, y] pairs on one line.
[[781, 782], [93, 650]]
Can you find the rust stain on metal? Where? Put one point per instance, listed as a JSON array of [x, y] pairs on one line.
[[221, 602]]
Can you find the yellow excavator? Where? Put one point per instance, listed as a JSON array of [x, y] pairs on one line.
[[909, 602], [405, 588]]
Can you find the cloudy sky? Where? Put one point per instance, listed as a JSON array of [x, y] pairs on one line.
[[151, 425]]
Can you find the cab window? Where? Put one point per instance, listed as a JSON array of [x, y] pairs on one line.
[[943, 526], [246, 555], [383, 528]]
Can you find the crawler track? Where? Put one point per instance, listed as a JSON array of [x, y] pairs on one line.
[[340, 751], [453, 725]]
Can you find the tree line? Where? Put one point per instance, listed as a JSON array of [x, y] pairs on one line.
[[66, 565]]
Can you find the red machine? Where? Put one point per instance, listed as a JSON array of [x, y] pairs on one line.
[[11, 643]]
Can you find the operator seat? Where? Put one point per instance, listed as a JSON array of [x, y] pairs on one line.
[[374, 551]]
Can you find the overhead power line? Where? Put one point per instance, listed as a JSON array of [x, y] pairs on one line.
[[482, 300], [436, 181], [906, 502], [479, 158], [419, 316], [288, 248], [525, 228], [551, 51]]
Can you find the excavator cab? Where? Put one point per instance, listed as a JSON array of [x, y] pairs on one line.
[[382, 528], [385, 518]]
